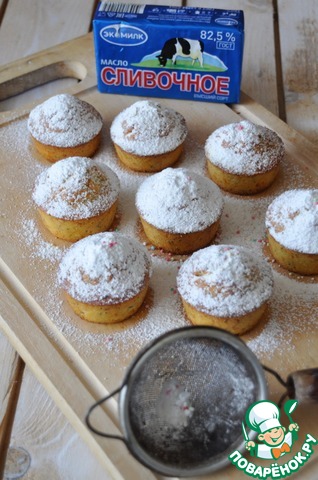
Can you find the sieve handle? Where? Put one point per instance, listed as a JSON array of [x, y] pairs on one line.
[[90, 411], [301, 385]]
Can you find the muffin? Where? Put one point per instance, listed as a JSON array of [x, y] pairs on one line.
[[292, 230], [243, 158], [225, 286], [65, 126], [105, 277], [76, 197], [179, 210], [148, 137]]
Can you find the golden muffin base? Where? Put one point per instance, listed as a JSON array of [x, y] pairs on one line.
[[108, 313], [148, 163], [73, 230], [297, 262], [53, 153], [235, 325], [241, 184], [179, 243]]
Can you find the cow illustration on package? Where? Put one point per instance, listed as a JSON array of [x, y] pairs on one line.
[[183, 47]]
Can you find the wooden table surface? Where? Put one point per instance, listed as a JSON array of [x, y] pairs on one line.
[[280, 71]]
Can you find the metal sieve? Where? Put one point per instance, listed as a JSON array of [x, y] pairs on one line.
[[183, 399]]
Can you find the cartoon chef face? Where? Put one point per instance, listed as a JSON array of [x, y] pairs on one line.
[[263, 417], [272, 437]]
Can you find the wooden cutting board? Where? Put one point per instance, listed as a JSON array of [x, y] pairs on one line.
[[78, 362]]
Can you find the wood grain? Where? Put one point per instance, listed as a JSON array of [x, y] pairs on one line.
[[259, 69], [6, 424], [299, 46], [259, 80], [31, 26], [56, 449], [85, 371], [40, 353], [41, 25]]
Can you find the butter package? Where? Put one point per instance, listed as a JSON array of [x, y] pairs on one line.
[[188, 53]]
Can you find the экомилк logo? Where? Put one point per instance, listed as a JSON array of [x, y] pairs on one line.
[[273, 441]]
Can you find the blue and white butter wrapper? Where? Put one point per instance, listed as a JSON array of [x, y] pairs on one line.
[[187, 53]]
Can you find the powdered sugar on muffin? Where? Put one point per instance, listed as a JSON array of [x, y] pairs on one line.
[[225, 280], [244, 148], [76, 188], [148, 128], [105, 268], [292, 219], [179, 201], [64, 121]]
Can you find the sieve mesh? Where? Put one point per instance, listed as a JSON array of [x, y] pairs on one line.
[[186, 401]]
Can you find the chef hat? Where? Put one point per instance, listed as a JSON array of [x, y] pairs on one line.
[[262, 416]]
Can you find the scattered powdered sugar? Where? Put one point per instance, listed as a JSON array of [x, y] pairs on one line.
[[190, 388], [292, 219], [174, 404], [244, 148], [64, 121], [179, 201], [106, 268], [242, 223], [225, 280], [76, 188], [40, 248], [148, 128], [286, 318]]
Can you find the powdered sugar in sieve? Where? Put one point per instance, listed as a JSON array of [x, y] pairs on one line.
[[185, 398]]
